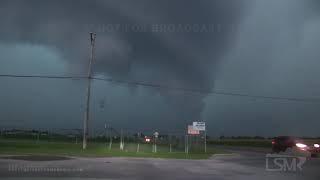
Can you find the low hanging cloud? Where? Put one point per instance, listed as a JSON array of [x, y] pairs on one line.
[[274, 54], [245, 45], [183, 58]]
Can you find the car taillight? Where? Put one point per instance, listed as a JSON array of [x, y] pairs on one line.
[[273, 142], [316, 145]]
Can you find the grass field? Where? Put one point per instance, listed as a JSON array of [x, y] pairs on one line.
[[29, 147], [23, 147], [261, 143], [264, 143]]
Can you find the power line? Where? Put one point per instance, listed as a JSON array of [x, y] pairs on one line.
[[197, 91], [42, 76]]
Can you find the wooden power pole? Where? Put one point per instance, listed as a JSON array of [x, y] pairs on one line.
[[87, 108]]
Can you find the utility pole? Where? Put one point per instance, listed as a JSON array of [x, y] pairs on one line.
[[87, 111], [110, 136], [205, 138], [170, 150], [38, 136], [121, 140], [205, 141], [186, 142], [106, 133]]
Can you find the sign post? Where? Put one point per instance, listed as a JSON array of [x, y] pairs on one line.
[[186, 145], [201, 126], [155, 134], [205, 141]]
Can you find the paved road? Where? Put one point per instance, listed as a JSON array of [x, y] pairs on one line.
[[244, 165]]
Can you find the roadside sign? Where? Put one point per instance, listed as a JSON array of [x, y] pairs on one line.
[[200, 126], [156, 134], [192, 131]]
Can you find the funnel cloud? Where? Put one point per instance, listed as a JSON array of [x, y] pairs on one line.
[[251, 47]]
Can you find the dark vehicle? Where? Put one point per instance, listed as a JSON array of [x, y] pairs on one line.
[[283, 143]]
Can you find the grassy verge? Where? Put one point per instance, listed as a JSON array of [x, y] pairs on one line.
[[259, 143], [23, 147], [243, 142]]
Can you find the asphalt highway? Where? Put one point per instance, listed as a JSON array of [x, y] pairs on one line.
[[242, 165]]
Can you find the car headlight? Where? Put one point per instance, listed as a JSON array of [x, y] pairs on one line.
[[300, 145], [316, 145]]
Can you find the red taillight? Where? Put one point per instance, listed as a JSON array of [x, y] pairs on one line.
[[273, 142]]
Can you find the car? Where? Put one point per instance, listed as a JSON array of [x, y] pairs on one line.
[[284, 143]]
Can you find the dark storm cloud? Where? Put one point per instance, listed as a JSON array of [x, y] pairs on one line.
[[276, 54], [184, 56], [179, 58], [252, 47]]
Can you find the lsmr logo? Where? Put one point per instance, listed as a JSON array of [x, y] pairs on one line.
[[276, 162]]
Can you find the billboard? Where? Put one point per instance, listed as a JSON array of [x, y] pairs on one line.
[[200, 126], [192, 131]]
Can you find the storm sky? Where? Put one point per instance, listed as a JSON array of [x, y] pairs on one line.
[[255, 47]]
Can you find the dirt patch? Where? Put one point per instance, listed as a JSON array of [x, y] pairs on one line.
[[37, 158]]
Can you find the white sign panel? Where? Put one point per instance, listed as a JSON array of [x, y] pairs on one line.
[[192, 131], [156, 134], [200, 126]]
